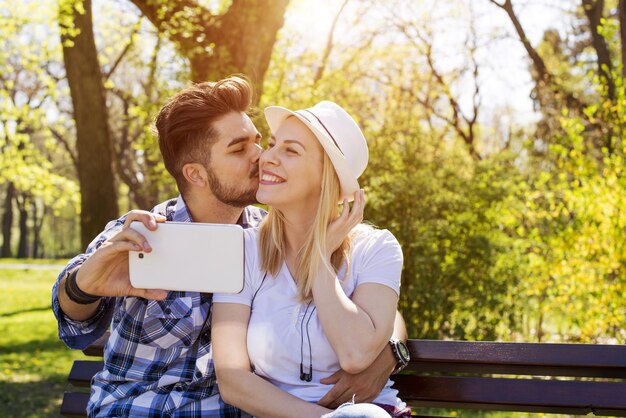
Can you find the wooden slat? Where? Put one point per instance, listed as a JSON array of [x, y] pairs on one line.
[[74, 404], [82, 372], [526, 395], [540, 359], [96, 349]]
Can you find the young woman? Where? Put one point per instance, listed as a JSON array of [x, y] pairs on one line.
[[321, 289]]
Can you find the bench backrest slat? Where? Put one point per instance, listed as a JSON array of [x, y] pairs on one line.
[[554, 396], [83, 370], [539, 359], [74, 404], [97, 348]]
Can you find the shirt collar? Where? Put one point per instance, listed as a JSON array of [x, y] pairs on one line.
[[181, 213]]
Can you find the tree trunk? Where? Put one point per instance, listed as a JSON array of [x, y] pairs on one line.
[[7, 221], [37, 224], [622, 25], [239, 41], [594, 10], [22, 247], [93, 140]]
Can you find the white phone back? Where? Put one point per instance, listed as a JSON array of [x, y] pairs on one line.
[[190, 257]]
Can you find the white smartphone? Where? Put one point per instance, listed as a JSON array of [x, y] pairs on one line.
[[189, 256]]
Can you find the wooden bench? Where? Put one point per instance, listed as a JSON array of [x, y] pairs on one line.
[[526, 377]]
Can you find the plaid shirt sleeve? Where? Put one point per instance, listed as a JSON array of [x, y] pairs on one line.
[[80, 334]]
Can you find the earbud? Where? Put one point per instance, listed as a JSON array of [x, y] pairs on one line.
[[307, 377]]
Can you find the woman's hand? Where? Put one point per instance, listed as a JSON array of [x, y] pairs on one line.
[[339, 228]]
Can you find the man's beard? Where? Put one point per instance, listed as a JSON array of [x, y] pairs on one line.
[[231, 195]]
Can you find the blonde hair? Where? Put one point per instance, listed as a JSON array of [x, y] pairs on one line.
[[310, 258]]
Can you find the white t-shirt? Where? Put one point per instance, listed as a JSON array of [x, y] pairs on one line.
[[281, 327]]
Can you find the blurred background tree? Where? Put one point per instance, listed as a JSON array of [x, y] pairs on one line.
[[508, 206]]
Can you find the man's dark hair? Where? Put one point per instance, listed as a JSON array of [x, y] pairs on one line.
[[185, 123]]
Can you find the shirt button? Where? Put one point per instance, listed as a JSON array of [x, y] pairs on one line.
[[198, 374], [177, 387], [167, 311]]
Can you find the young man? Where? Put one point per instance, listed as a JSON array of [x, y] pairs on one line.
[[158, 359]]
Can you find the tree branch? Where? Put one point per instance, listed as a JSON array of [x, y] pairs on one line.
[[153, 67], [184, 21], [538, 63], [126, 49], [543, 76], [329, 45], [65, 144], [455, 120]]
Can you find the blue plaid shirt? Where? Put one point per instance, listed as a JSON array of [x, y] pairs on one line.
[[158, 360]]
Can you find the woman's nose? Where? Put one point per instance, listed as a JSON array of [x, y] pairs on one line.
[[268, 157]]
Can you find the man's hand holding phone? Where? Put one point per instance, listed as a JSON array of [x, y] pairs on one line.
[[105, 272]]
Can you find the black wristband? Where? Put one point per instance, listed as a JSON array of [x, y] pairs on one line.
[[75, 294]]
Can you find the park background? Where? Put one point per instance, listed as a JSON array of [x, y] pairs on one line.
[[495, 130]]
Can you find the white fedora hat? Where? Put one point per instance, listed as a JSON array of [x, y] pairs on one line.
[[339, 135]]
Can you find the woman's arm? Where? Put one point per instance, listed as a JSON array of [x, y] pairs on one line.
[[359, 327], [238, 385], [364, 386]]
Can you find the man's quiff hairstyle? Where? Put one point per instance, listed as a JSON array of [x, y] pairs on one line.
[[185, 124]]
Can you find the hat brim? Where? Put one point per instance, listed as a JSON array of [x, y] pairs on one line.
[[276, 115]]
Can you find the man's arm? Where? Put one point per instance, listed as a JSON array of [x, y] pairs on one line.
[[364, 386], [78, 331], [103, 272]]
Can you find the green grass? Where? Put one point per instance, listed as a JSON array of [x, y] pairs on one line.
[[32, 261], [34, 364]]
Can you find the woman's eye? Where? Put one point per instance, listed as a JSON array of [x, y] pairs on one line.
[[292, 151]]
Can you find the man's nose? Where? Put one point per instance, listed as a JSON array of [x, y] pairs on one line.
[[258, 151]]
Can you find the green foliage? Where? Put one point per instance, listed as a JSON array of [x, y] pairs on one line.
[[27, 91], [451, 217], [24, 166], [31, 114], [576, 230]]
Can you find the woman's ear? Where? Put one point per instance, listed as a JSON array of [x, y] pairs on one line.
[[195, 174]]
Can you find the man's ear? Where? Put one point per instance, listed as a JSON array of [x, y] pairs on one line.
[[195, 174]]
